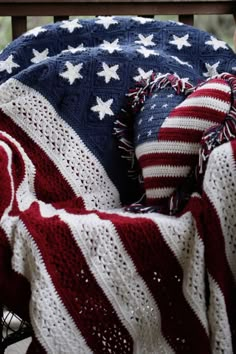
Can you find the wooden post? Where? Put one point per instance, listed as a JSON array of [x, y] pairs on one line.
[[187, 19], [60, 18], [19, 25]]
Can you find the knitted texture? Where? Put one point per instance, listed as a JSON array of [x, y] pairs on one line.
[[84, 68], [90, 277], [169, 116], [116, 282], [167, 160], [157, 170]]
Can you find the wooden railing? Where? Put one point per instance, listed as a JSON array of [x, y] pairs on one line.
[[62, 9]]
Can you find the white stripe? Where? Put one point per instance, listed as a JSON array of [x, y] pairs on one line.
[[221, 340], [165, 171], [185, 122], [117, 276], [159, 192], [207, 102], [215, 86], [52, 324], [165, 146], [34, 114], [25, 193], [9, 170], [181, 235], [219, 185]]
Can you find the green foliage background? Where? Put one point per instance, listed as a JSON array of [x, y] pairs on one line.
[[222, 26]]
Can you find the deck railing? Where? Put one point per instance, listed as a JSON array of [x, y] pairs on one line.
[[62, 9]]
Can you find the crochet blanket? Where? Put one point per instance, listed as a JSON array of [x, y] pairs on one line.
[[90, 277]]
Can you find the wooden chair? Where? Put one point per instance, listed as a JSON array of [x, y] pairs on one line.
[[19, 10], [62, 9]]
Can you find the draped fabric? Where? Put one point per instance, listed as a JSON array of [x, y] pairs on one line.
[[91, 277]]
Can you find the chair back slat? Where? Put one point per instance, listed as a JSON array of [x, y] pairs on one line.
[[19, 25], [187, 19], [60, 18], [62, 9]]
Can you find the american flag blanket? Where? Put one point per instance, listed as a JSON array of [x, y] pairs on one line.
[[89, 276]]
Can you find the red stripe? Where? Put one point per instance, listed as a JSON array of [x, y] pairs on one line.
[[15, 289], [76, 286], [163, 275], [51, 186], [198, 112], [166, 159], [213, 93], [180, 135]]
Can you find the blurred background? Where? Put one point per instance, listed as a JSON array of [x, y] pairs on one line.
[[222, 26]]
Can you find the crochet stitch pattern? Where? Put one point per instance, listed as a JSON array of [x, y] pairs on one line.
[[89, 276]]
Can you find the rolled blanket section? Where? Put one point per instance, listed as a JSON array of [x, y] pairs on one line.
[[168, 162]]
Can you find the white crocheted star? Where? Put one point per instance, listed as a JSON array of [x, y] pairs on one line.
[[216, 43], [180, 42], [8, 64], [39, 56], [103, 107], [151, 119], [109, 72], [111, 46], [74, 50], [106, 21], [72, 73], [181, 61], [142, 74], [35, 32], [146, 41], [211, 69], [149, 133], [142, 20], [140, 121], [146, 52], [71, 25]]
